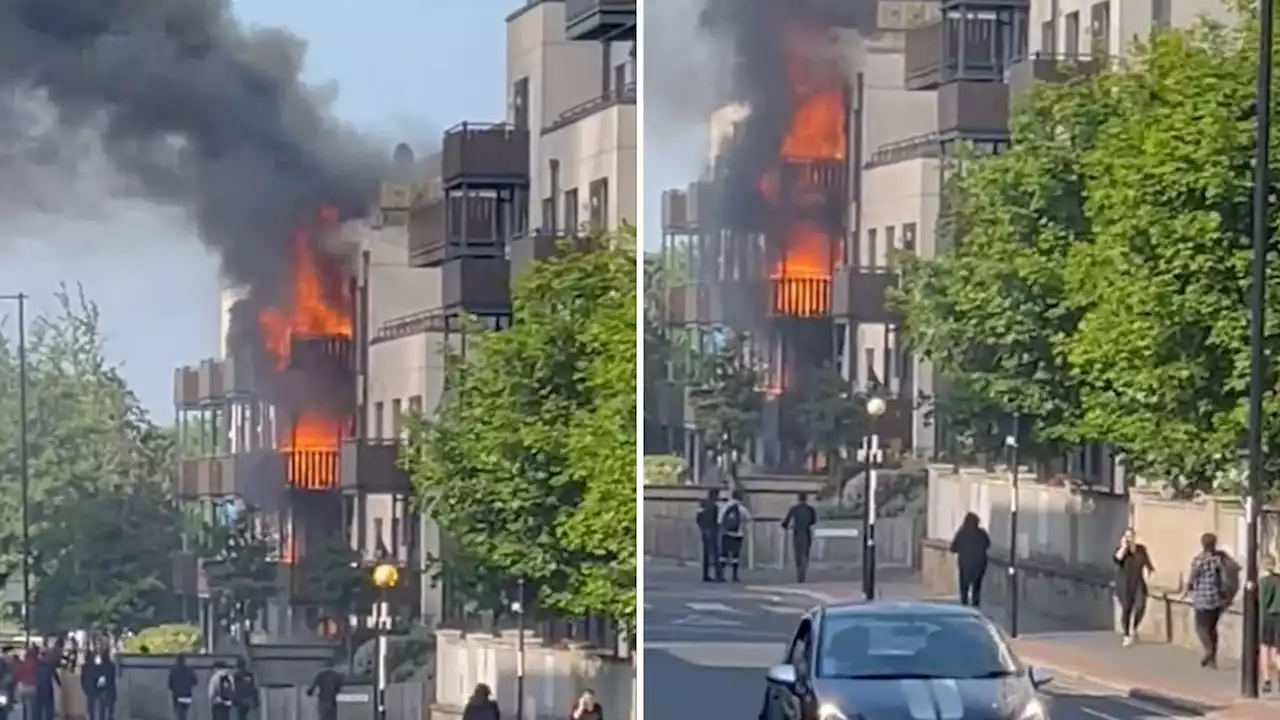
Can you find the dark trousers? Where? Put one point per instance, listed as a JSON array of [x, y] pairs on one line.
[[710, 554], [101, 706], [1133, 607], [802, 545], [328, 711], [243, 711], [1207, 632], [221, 712], [730, 555], [971, 584], [43, 706]]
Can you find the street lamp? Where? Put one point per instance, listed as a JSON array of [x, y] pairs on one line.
[[24, 463], [1257, 358], [871, 455], [385, 577], [517, 606], [1011, 442]]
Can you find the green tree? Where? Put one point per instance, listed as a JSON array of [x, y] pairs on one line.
[[241, 574], [728, 405], [336, 581], [99, 470], [832, 420], [530, 463]]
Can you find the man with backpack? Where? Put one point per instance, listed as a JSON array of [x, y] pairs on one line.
[[1211, 586], [708, 520], [732, 521], [222, 691]]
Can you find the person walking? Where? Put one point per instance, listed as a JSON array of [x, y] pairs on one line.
[[708, 519], [1208, 588], [182, 685], [587, 708], [47, 685], [246, 690], [1269, 612], [222, 691], [1133, 565], [481, 705], [732, 520], [971, 545], [801, 519], [326, 687]]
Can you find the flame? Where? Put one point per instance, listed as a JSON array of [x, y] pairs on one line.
[[317, 304], [816, 145]]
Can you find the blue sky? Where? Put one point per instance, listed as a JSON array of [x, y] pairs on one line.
[[406, 69]]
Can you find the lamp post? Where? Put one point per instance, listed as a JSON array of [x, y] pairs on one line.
[[871, 455], [1011, 442], [24, 464], [518, 608], [1257, 357], [385, 577]]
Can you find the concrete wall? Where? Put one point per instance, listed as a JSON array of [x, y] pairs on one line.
[[554, 676], [1066, 537]]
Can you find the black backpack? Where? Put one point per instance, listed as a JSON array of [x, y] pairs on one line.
[[732, 519], [226, 689]]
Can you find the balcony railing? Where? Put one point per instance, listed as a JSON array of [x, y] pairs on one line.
[[625, 95]]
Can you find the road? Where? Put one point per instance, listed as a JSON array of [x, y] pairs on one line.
[[707, 648]]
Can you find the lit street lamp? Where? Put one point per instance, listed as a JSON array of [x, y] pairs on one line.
[[871, 455], [24, 464], [1257, 358], [385, 577]]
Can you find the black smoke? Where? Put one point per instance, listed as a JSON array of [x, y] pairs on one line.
[[192, 111], [756, 30]]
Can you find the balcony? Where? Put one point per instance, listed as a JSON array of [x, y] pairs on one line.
[[186, 387], [954, 49], [973, 110], [372, 466], [600, 20], [256, 477], [459, 226], [211, 382], [484, 155], [528, 249], [861, 296], [1047, 68], [480, 286]]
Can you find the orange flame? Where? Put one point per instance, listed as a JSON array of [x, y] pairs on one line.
[[816, 141], [317, 305]]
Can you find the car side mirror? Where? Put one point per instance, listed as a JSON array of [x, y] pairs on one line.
[[784, 675], [1039, 677]]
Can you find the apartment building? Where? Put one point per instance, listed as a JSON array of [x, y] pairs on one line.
[[1082, 28], [444, 237]]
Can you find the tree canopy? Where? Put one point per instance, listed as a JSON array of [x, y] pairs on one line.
[[104, 529], [529, 465], [1099, 274], [728, 404]]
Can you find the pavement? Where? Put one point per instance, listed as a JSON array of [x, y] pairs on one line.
[[707, 646]]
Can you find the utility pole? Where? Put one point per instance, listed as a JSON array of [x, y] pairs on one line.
[[1012, 443], [1257, 355]]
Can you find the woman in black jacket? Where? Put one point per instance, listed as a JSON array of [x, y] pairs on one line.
[[481, 706], [971, 545]]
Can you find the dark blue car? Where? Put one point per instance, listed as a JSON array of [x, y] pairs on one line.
[[901, 661]]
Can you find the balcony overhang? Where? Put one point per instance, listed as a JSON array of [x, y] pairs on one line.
[[600, 20]]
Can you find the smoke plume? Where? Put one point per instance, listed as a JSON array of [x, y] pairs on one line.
[[187, 109]]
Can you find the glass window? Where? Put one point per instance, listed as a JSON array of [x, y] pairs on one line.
[[873, 254], [379, 417], [1071, 35], [397, 413], [909, 237], [911, 645]]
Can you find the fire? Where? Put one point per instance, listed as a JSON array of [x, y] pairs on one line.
[[317, 305], [813, 150]]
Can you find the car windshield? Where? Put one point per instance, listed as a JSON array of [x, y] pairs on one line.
[[912, 645]]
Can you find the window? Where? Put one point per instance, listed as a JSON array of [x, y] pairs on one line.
[[619, 80], [571, 211], [395, 537], [909, 237], [798, 653], [415, 405], [1071, 34], [851, 251], [396, 418], [1048, 39], [520, 103], [872, 380], [1161, 13], [890, 240], [1100, 28], [380, 543], [598, 201], [549, 216], [943, 646], [873, 260], [378, 419]]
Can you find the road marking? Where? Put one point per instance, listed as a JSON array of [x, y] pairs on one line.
[[788, 610], [705, 621], [709, 607]]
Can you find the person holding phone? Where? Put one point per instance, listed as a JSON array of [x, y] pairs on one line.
[[1133, 565], [587, 708]]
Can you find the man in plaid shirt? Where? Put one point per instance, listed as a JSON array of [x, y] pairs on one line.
[[1208, 588]]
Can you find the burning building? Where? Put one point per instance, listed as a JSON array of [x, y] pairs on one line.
[[762, 246]]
